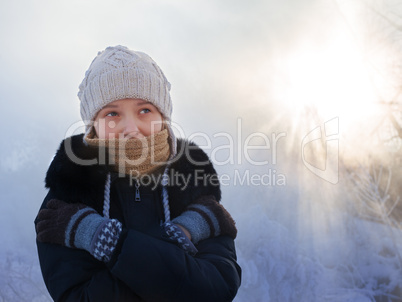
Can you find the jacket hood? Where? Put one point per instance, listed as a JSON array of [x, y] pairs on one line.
[[77, 175]]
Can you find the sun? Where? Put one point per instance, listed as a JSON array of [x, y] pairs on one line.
[[332, 77]]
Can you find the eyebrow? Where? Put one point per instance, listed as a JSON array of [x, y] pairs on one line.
[[110, 106], [142, 102]]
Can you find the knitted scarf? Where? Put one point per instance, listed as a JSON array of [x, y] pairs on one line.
[[135, 157]]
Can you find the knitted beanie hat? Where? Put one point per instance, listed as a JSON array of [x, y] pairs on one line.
[[120, 73]]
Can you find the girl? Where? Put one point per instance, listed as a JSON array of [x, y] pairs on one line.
[[132, 213]]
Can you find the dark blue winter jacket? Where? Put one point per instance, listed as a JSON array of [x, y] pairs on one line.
[[147, 265]]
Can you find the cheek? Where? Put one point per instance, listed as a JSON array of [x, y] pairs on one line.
[[156, 125], [105, 129], [111, 125]]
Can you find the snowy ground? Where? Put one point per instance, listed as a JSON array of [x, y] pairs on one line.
[[277, 266]]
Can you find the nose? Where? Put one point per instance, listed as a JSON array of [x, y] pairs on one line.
[[131, 129]]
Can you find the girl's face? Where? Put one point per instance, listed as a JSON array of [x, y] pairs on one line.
[[128, 118]]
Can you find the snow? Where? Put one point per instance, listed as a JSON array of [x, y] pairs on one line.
[[352, 260], [20, 279]]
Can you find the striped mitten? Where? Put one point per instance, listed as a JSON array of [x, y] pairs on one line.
[[76, 225], [205, 218]]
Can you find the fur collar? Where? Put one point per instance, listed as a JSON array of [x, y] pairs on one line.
[[75, 175]]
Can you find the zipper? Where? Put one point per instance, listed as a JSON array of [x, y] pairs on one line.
[[137, 191]]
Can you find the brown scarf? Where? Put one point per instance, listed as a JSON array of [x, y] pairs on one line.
[[135, 157]]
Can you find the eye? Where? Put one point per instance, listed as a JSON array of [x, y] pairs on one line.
[[113, 113], [145, 110]]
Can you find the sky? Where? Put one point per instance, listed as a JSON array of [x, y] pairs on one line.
[[244, 69], [224, 60]]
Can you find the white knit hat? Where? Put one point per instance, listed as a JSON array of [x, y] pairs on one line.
[[120, 73]]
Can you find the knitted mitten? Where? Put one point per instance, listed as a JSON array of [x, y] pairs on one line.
[[78, 226], [205, 218], [175, 233]]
